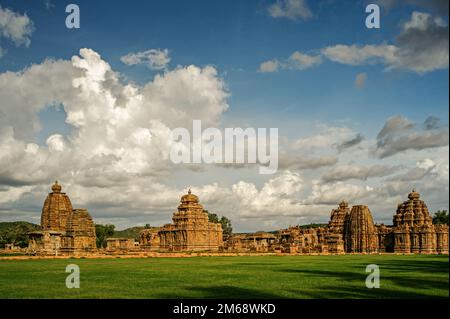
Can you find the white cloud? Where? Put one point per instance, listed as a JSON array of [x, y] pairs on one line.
[[399, 135], [155, 59], [114, 161], [296, 61], [354, 171], [269, 66], [357, 55], [300, 61], [290, 9], [422, 46], [119, 131], [360, 80], [15, 27], [328, 137]]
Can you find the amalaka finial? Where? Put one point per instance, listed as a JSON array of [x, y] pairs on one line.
[[56, 188]]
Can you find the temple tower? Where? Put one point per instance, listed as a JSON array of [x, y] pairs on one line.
[[191, 228], [414, 231], [360, 232], [57, 208], [80, 232]]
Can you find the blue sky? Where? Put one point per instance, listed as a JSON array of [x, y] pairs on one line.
[[236, 38]]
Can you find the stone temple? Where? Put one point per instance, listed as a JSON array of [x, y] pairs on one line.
[[71, 232], [354, 231], [65, 231], [414, 231], [191, 229]]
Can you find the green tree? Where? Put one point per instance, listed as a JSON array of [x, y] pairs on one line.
[[16, 233], [103, 232], [440, 217], [213, 218], [226, 223]]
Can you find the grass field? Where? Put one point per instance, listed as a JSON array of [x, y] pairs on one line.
[[410, 276]]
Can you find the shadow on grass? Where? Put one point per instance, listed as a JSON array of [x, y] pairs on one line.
[[221, 292], [422, 265], [420, 286]]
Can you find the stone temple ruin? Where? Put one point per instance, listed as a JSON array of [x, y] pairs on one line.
[[191, 230], [353, 231], [68, 231], [65, 231]]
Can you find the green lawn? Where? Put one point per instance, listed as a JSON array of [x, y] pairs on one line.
[[229, 277]]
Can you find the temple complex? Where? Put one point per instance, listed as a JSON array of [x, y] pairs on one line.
[[354, 231], [71, 232], [65, 231]]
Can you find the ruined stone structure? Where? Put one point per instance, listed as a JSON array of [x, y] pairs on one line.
[[353, 231], [414, 231], [56, 210], [338, 218], [191, 230], [149, 239], [122, 245], [360, 232], [68, 231], [257, 242], [65, 231]]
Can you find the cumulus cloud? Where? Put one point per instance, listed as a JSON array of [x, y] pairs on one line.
[[154, 59], [393, 125], [422, 46], [357, 55], [432, 122], [269, 66], [15, 27], [330, 194], [399, 134], [350, 143], [328, 137], [300, 162], [422, 169], [115, 161], [119, 131], [353, 171], [296, 61], [290, 9]]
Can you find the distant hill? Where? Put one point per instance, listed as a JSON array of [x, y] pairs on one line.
[[16, 233]]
